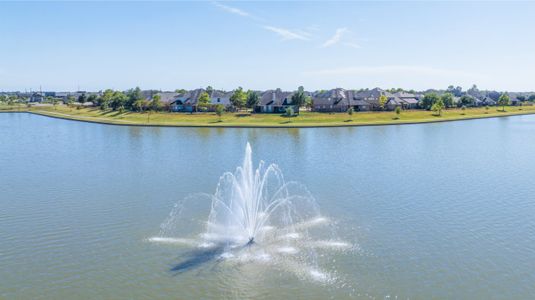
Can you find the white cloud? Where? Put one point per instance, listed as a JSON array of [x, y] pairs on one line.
[[287, 34], [335, 39], [344, 37], [232, 10], [393, 70]]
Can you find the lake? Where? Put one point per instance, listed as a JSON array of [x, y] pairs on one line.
[[444, 210]]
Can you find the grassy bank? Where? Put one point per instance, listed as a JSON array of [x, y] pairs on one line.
[[305, 119]]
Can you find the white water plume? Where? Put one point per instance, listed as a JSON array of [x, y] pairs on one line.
[[254, 216]]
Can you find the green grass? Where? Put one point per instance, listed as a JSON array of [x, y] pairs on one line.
[[304, 119]]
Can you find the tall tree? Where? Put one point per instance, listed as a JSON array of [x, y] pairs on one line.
[[118, 101], [428, 100], [203, 101], [92, 98], [105, 100], [156, 103], [82, 98], [133, 96], [309, 103], [209, 90], [504, 100], [447, 98], [466, 100], [238, 98], [139, 105], [252, 99], [299, 98]]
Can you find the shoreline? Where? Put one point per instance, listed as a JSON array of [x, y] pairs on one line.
[[89, 119]]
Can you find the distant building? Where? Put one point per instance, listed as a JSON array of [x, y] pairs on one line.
[[275, 101], [37, 97]]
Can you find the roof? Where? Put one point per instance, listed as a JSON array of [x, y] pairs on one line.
[[167, 97], [331, 97], [275, 97]]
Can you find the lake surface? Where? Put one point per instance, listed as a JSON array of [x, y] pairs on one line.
[[432, 211]]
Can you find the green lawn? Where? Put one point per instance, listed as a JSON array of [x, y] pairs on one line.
[[269, 120]]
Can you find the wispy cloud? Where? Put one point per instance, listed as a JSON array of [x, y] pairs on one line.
[[343, 37], [335, 39], [393, 70], [232, 10], [287, 34]]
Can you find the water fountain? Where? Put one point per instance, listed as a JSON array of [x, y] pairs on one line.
[[254, 216]]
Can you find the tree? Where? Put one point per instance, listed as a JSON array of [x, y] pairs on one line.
[[428, 100], [92, 98], [531, 98], [118, 101], [204, 101], [350, 113], [209, 90], [521, 98], [504, 100], [219, 108], [252, 99], [473, 91], [10, 100], [456, 91], [106, 99], [82, 98], [238, 98], [156, 103], [180, 91], [289, 113], [382, 101], [466, 100], [133, 95], [463, 108], [437, 107], [70, 101], [398, 111], [299, 97], [139, 105], [486, 109], [309, 103], [55, 102], [447, 98]]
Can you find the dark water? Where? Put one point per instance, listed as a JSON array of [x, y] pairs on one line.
[[434, 211]]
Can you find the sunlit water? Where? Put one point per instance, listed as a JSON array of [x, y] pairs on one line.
[[419, 211]]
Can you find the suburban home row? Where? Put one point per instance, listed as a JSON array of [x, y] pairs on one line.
[[277, 101]]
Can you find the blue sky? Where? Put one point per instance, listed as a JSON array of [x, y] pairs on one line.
[[263, 45]]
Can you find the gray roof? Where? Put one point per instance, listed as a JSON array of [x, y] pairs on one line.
[[167, 97], [275, 98]]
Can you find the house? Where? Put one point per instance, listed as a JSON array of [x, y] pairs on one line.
[[220, 97], [409, 100], [335, 100], [186, 102], [275, 101], [37, 97], [488, 101], [372, 97]]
